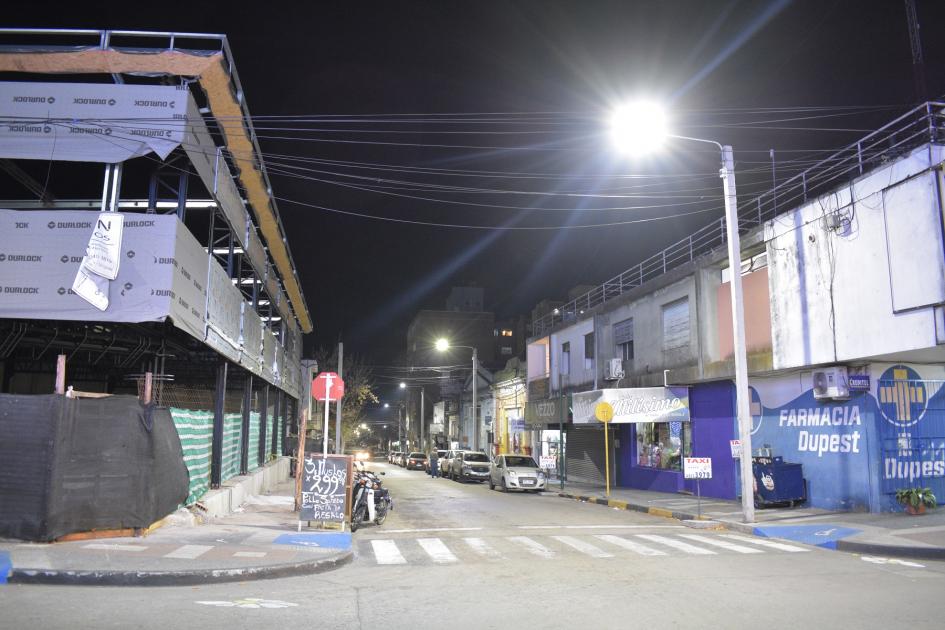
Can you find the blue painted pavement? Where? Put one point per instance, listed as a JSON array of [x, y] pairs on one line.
[[820, 535], [324, 540], [6, 566]]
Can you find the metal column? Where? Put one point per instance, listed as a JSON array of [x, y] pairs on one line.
[[263, 423], [244, 437], [216, 452]]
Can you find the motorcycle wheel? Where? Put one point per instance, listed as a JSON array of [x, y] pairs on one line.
[[381, 516], [357, 518]]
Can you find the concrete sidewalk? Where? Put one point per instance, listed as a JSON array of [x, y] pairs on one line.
[[259, 540], [896, 534]]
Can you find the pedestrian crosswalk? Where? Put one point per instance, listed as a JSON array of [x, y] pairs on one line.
[[440, 551]]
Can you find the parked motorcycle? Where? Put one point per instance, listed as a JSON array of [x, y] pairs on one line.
[[370, 500]]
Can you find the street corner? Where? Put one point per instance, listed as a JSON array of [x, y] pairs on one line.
[[316, 540], [6, 566], [825, 535]]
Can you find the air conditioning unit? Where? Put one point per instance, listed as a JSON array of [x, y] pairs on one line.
[[613, 370], [831, 383]]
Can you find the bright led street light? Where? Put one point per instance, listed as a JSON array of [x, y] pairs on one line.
[[638, 128]]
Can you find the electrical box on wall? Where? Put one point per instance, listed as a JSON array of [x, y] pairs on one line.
[[830, 383], [613, 370]]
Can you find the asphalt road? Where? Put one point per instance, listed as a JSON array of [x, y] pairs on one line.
[[455, 556]]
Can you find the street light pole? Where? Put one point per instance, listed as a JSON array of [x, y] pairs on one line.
[[743, 413], [422, 420], [642, 127], [475, 402]]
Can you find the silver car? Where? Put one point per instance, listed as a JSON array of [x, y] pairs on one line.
[[516, 472], [469, 465]]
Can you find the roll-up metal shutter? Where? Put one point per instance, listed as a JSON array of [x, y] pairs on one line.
[[623, 332], [584, 450], [676, 325]]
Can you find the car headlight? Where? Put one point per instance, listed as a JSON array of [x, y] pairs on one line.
[[512, 473], [541, 475], [465, 468]]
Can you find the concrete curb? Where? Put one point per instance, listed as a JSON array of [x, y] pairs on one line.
[[896, 551], [178, 578], [928, 553]]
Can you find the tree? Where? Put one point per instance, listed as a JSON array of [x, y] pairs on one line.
[[359, 389]]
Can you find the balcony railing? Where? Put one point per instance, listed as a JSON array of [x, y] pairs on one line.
[[924, 124]]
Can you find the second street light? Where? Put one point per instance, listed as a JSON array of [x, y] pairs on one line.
[[642, 128], [443, 345]]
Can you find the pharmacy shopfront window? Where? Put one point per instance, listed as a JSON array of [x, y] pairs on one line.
[[663, 444]]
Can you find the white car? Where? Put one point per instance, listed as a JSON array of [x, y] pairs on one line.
[[446, 461], [516, 472]]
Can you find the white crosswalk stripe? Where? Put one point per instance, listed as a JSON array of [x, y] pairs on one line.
[[635, 547], [482, 548], [473, 549], [676, 544], [189, 552], [532, 546], [583, 547], [437, 550], [386, 552], [709, 540], [762, 542]]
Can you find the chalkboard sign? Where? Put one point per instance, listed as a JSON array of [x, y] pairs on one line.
[[325, 487]]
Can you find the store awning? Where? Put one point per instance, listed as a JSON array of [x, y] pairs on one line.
[[641, 404]]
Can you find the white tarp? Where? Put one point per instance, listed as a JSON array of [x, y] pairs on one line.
[[90, 122], [40, 252], [188, 282], [223, 313], [101, 261]]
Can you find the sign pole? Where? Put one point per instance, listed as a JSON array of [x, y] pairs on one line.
[[604, 412], [699, 498], [607, 457], [328, 379]]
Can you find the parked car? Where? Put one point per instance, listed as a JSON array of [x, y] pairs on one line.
[[416, 461], [447, 461], [393, 457], [401, 460], [470, 465], [516, 472], [439, 455]]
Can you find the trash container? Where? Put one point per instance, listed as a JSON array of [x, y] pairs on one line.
[[777, 482]]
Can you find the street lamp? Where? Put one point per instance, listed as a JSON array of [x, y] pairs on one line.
[[642, 127], [443, 345]]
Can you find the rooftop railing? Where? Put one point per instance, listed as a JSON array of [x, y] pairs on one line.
[[924, 124]]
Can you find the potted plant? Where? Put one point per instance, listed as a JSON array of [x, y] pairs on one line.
[[916, 500]]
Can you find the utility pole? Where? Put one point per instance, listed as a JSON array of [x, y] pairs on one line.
[[422, 438], [743, 413], [339, 439], [918, 65], [475, 401]]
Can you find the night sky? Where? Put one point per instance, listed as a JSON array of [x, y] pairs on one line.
[[517, 95]]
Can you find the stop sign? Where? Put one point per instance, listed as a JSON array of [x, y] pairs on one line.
[[328, 386]]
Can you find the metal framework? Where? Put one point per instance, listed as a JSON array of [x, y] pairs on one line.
[[924, 124], [131, 41]]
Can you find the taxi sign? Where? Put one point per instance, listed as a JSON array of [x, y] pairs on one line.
[[604, 412]]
